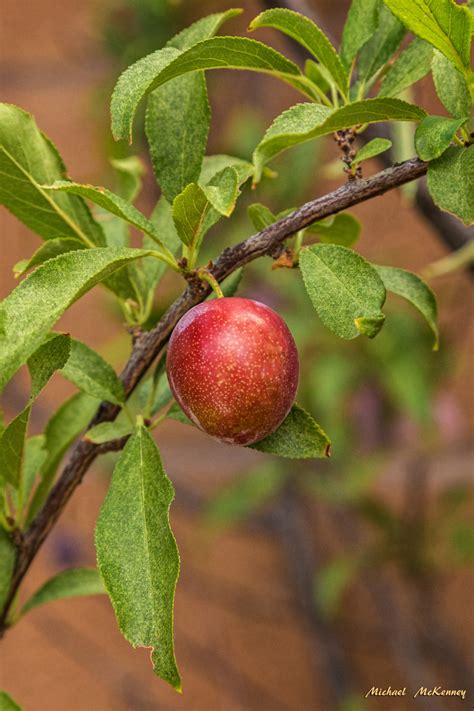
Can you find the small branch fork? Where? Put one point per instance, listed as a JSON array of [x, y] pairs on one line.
[[148, 345]]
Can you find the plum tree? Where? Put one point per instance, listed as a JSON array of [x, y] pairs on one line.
[[233, 367]]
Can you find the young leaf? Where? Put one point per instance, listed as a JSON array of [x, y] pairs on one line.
[[215, 53], [7, 563], [345, 290], [137, 554], [50, 249], [451, 182], [12, 442], [245, 495], [75, 582], [7, 703], [29, 160], [306, 33], [178, 116], [108, 431], [444, 24], [298, 437], [434, 135], [303, 122], [130, 172], [371, 149], [414, 290], [212, 165], [343, 229], [110, 202], [450, 86], [32, 309], [360, 25], [92, 374], [62, 429], [412, 65], [380, 48]]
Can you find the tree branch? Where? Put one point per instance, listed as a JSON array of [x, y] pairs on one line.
[[149, 344]]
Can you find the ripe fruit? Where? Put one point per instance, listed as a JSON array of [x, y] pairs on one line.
[[233, 368]]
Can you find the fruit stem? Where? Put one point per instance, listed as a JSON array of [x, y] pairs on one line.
[[297, 247], [213, 283]]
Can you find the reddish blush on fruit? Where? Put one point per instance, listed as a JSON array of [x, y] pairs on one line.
[[233, 368]]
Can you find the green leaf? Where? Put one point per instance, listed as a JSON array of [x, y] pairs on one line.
[[260, 216], [162, 220], [7, 703], [43, 363], [451, 182], [75, 582], [444, 24], [371, 149], [212, 165], [176, 413], [178, 116], [305, 32], [298, 437], [192, 209], [230, 285], [414, 290], [304, 122], [360, 25], [7, 563], [130, 171], [343, 229], [344, 288], [108, 431], [49, 357], [137, 554], [434, 135], [62, 429], [92, 374], [35, 455], [245, 495], [331, 582], [411, 66], [50, 249], [110, 202], [450, 86], [32, 309], [380, 48], [215, 53], [29, 160]]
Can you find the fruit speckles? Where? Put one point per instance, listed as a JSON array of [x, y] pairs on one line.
[[233, 368]]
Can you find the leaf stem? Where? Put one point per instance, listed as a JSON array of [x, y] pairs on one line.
[[168, 259], [297, 248]]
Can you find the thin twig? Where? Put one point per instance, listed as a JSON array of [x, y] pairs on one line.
[[149, 344]]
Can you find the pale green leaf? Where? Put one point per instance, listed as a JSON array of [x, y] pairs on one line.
[[62, 429], [7, 703], [12, 442], [137, 553], [178, 116], [75, 582], [92, 374], [443, 23], [371, 149], [130, 171], [32, 309], [304, 122], [50, 249], [212, 165], [307, 33], [108, 431], [222, 191], [298, 437], [7, 563], [110, 202], [434, 135], [343, 229], [450, 86], [451, 182], [244, 496], [215, 53], [360, 25], [380, 48], [29, 160], [344, 288], [414, 290], [412, 65]]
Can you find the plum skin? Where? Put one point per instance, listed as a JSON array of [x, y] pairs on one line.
[[233, 368]]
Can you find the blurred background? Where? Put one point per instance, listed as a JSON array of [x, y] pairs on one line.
[[303, 584]]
